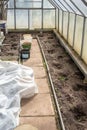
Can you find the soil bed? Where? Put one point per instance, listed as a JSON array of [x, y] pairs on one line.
[[68, 82], [67, 79], [9, 50]]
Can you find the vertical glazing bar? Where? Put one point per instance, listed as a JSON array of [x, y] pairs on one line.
[[14, 14], [83, 33], [68, 25], [62, 21], [55, 18], [58, 20], [42, 15], [74, 30], [28, 19]]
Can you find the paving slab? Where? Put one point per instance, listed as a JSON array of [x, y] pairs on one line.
[[35, 50], [42, 123], [35, 55], [39, 105], [25, 127], [39, 72], [33, 62], [35, 46], [42, 85], [35, 42]]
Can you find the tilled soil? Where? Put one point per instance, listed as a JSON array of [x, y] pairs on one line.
[[9, 50], [67, 79], [70, 89]]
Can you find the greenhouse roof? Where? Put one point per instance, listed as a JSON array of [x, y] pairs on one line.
[[75, 6]]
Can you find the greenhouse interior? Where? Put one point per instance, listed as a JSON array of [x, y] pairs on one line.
[[43, 64]]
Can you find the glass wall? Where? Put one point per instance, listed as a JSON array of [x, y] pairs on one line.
[[30, 14], [78, 34], [35, 19], [71, 28], [74, 30], [60, 21], [11, 4], [57, 19], [49, 19], [65, 24], [21, 19], [47, 4], [84, 52], [10, 19], [28, 3]]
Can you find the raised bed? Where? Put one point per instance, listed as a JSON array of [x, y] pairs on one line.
[[68, 83]]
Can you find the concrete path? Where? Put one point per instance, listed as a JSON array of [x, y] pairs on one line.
[[38, 111]]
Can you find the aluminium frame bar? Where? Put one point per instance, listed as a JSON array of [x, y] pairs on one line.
[[58, 20], [28, 19], [68, 25], [62, 21], [74, 30], [83, 36], [42, 24], [55, 18], [14, 14]]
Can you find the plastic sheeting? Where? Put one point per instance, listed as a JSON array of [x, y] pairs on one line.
[[16, 82]]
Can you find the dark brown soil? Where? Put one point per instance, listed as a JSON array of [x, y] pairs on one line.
[[68, 83], [9, 50], [67, 79]]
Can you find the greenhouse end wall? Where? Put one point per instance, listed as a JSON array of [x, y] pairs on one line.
[[30, 15], [73, 28]]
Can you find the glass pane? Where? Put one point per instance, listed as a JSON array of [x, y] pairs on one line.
[[71, 28], [60, 4], [47, 4], [57, 19], [81, 5], [10, 19], [73, 7], [21, 19], [49, 19], [65, 5], [28, 3], [11, 4], [78, 34], [35, 19], [84, 54], [60, 21], [55, 4], [65, 24]]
